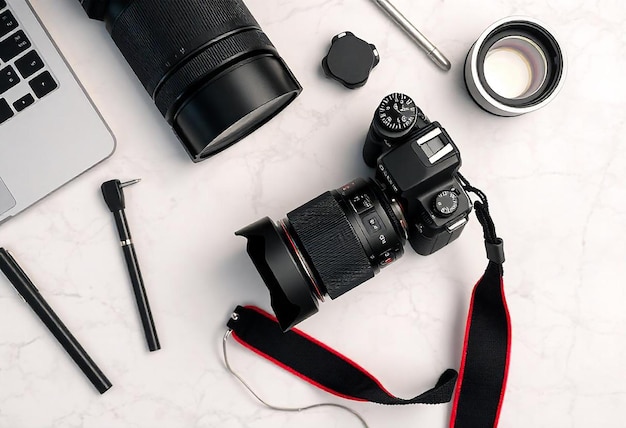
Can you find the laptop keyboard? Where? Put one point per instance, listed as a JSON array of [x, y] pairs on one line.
[[23, 75]]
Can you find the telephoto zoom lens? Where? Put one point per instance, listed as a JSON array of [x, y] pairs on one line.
[[212, 72], [326, 247]]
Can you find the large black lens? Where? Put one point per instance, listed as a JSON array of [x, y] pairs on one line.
[[327, 246], [211, 70]]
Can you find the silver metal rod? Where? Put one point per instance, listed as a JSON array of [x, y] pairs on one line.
[[431, 50], [130, 183]]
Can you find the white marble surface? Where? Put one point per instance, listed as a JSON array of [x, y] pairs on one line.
[[555, 179]]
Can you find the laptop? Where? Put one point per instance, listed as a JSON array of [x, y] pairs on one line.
[[50, 131]]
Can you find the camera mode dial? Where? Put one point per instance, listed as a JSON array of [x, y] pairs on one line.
[[445, 203], [396, 114]]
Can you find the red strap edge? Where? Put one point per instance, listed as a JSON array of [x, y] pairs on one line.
[[468, 324], [290, 370], [463, 357], [329, 349], [508, 352]]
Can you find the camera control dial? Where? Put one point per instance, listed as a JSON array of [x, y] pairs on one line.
[[445, 203], [397, 113]]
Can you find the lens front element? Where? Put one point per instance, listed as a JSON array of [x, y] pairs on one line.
[[515, 67]]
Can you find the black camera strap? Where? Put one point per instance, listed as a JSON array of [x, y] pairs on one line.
[[484, 362], [321, 366]]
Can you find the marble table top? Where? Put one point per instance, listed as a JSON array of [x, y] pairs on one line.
[[555, 179]]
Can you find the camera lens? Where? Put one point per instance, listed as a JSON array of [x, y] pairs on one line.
[[515, 67], [327, 246], [212, 72]]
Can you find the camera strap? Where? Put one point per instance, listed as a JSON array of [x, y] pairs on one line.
[[484, 365]]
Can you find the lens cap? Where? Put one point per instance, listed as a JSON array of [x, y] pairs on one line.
[[350, 60]]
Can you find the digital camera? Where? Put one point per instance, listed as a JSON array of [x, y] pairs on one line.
[[344, 237]]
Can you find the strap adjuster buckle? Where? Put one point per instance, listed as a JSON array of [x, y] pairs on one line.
[[495, 251]]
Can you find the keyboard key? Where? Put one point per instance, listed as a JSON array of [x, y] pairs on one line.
[[8, 79], [29, 64], [43, 84], [14, 45], [7, 23], [5, 111], [23, 102]]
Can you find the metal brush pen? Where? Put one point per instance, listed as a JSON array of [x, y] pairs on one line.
[[431, 50]]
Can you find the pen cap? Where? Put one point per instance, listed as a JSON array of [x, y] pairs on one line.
[[113, 195]]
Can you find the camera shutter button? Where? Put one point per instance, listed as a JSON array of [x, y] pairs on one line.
[[445, 203]]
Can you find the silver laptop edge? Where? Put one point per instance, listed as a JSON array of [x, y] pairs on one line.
[[56, 139]]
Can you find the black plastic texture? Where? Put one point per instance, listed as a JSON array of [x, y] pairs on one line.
[[191, 55], [350, 60], [113, 195], [416, 182], [288, 285], [426, 241], [391, 215], [495, 251], [155, 36], [379, 138], [25, 287], [141, 297], [95, 8], [212, 58], [331, 244], [233, 105]]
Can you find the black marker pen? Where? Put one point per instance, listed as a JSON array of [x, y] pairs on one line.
[[31, 295], [113, 194]]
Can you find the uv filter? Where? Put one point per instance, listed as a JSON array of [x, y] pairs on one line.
[[516, 66]]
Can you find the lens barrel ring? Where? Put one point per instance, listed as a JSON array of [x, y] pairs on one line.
[[391, 215], [162, 46], [320, 225], [210, 69], [543, 38], [207, 63], [548, 45]]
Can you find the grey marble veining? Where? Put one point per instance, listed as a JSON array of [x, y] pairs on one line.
[[555, 179]]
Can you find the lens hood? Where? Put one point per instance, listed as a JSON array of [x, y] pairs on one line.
[[234, 104], [289, 287]]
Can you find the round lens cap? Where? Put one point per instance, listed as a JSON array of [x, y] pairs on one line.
[[350, 60]]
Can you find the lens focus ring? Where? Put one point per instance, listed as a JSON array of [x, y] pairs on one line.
[[207, 63], [331, 245], [164, 32]]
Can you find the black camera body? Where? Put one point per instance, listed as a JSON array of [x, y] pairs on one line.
[[342, 238], [417, 162]]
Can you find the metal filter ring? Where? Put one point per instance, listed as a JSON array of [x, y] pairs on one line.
[[509, 51]]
